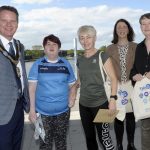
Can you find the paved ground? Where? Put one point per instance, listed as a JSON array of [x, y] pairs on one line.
[[76, 140]]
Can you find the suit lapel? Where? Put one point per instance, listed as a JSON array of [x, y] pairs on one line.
[[1, 44]]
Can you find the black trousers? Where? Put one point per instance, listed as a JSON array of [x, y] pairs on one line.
[[11, 133], [87, 116], [130, 128]]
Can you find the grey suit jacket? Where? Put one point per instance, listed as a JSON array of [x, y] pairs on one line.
[[8, 87]]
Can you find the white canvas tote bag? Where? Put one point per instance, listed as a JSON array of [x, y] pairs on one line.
[[141, 99]]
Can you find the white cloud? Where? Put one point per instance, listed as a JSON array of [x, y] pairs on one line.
[[31, 1], [37, 23]]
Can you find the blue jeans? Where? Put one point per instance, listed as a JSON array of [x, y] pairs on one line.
[[145, 131]]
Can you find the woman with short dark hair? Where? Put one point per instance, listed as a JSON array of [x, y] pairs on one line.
[[50, 81], [141, 68]]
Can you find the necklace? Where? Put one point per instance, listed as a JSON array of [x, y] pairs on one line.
[[12, 60]]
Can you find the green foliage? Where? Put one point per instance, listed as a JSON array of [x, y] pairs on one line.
[[102, 48], [70, 52], [80, 52], [34, 53]]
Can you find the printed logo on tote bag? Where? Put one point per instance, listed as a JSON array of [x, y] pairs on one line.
[[141, 99]]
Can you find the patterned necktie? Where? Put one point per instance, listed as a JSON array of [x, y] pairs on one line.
[[11, 49]]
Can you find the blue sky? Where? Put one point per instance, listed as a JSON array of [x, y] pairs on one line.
[[79, 3], [38, 18]]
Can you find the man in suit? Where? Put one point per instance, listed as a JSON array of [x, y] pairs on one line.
[[14, 95]]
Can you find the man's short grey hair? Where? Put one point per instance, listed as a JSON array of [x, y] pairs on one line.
[[88, 29]]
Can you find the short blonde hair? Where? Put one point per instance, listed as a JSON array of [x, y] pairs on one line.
[[88, 29]]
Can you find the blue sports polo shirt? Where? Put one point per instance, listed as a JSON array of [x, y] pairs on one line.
[[53, 81]]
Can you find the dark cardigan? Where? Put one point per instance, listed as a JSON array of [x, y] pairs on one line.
[[142, 61]]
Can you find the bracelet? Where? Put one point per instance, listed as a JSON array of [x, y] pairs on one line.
[[114, 96]]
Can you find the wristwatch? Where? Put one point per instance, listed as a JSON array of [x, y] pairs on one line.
[[114, 96]]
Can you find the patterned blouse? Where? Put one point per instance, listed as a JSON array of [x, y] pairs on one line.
[[123, 50]]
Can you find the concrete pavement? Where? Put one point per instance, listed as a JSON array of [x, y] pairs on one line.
[[76, 140]]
